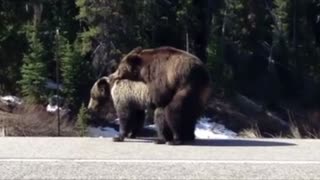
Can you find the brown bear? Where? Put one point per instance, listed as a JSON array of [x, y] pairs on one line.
[[178, 83], [130, 100]]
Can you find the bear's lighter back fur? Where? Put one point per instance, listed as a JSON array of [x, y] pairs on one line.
[[125, 92]]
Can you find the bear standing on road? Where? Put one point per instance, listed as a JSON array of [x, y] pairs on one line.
[[179, 87], [130, 100]]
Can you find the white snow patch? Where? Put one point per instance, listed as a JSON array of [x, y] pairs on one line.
[[101, 132], [205, 129], [51, 108], [151, 126], [11, 100], [212, 130]]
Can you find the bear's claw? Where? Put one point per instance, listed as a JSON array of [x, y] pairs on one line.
[[118, 139]]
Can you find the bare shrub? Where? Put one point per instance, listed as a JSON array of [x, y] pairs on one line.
[[33, 120]]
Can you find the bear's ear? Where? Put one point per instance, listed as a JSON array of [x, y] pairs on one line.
[[103, 86], [131, 54], [107, 79], [134, 60]]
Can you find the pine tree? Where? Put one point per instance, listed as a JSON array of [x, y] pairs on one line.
[[13, 44], [82, 121], [68, 68], [280, 14], [221, 74], [34, 71], [75, 73], [70, 73]]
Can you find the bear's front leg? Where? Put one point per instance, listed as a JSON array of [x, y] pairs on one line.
[[121, 136], [123, 128], [136, 123]]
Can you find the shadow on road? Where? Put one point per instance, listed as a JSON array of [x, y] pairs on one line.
[[223, 142], [237, 142]]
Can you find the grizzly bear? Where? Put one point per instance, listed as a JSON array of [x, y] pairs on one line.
[[179, 84], [130, 100]]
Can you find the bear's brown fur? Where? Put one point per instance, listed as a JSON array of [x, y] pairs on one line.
[[179, 84], [130, 100]]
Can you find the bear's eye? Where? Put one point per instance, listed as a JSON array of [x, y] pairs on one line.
[[93, 95], [124, 71]]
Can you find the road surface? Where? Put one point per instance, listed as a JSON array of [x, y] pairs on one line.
[[100, 158]]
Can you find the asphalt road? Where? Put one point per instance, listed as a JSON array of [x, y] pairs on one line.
[[100, 158]]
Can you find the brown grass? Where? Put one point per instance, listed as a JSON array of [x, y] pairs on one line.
[[253, 132], [296, 122], [33, 120]]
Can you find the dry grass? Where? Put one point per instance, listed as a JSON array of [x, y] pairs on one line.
[[33, 120], [285, 122], [295, 133], [250, 133], [305, 125], [253, 132]]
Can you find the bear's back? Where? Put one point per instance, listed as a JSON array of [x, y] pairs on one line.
[[130, 93]]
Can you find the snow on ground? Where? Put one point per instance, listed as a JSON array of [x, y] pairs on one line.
[[102, 132], [52, 108], [11, 100], [205, 129]]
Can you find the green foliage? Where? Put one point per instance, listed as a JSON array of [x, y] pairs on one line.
[[96, 34], [12, 44], [221, 73], [281, 11], [75, 72], [248, 24], [294, 36], [82, 121], [34, 72], [87, 38]]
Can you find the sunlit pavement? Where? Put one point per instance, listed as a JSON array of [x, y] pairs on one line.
[[100, 158]]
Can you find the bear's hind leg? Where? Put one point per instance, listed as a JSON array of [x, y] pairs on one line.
[[191, 111], [174, 112]]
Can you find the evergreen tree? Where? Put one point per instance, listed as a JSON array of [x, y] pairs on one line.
[[34, 71], [221, 74], [75, 73], [13, 44], [70, 71]]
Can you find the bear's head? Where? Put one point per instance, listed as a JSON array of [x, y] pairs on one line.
[[129, 67], [99, 95]]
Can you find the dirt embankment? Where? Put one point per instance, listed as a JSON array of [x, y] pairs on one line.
[[33, 120], [242, 114]]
